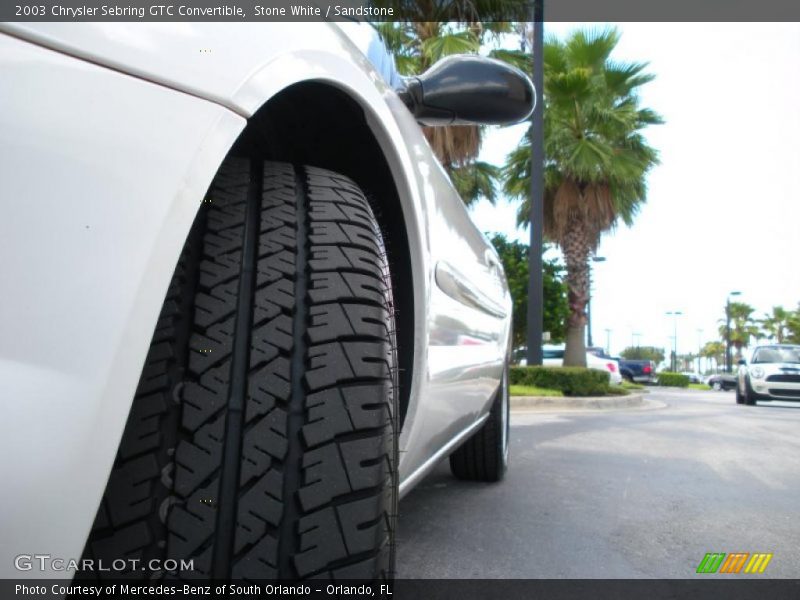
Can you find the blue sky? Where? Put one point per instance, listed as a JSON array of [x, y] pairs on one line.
[[723, 210]]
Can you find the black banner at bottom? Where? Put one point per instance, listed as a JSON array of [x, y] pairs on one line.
[[408, 589]]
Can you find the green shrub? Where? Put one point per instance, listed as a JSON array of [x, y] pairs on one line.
[[632, 386], [572, 381], [528, 390], [699, 386], [673, 379]]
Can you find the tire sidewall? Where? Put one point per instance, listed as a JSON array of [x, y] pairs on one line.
[[749, 396], [505, 421]]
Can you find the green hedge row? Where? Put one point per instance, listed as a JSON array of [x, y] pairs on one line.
[[673, 379], [572, 381]]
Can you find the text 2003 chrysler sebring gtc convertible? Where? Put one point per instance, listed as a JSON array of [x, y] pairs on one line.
[[244, 309]]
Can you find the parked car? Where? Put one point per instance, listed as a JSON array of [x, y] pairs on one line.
[[638, 371], [722, 381], [246, 310], [693, 377], [772, 373], [553, 355]]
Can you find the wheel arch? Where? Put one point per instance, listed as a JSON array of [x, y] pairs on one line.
[[319, 123]]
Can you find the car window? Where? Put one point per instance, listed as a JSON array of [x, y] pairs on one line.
[[383, 60], [597, 351], [368, 40], [552, 353], [777, 354]]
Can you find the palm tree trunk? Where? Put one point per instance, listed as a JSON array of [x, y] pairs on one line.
[[576, 247]]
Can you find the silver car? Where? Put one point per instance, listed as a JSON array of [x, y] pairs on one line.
[[246, 309], [772, 373]]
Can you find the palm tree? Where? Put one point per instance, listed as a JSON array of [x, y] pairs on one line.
[[438, 28], [793, 327], [714, 350], [475, 180], [743, 327], [596, 158], [775, 326]]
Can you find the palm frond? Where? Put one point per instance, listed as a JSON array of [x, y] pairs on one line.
[[622, 78], [596, 157], [454, 145], [591, 48], [475, 181], [516, 58], [461, 42], [396, 36]]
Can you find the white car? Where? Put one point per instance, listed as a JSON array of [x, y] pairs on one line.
[[772, 373], [244, 309], [693, 377], [553, 355]]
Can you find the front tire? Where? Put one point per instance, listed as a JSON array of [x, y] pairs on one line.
[[749, 397], [262, 440], [484, 456]]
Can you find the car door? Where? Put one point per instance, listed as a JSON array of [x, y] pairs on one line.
[[467, 315]]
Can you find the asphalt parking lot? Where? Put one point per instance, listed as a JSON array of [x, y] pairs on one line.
[[634, 493]]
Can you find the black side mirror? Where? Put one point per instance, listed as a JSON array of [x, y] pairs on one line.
[[741, 362], [470, 90]]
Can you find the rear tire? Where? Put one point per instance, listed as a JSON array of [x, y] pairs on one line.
[[262, 440], [484, 456]]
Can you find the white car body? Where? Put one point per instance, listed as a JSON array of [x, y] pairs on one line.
[[694, 377], [772, 372], [554, 357], [111, 134]]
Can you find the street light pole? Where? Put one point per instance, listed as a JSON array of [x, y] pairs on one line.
[[535, 282], [589, 342], [728, 361], [674, 362], [608, 341], [699, 349]]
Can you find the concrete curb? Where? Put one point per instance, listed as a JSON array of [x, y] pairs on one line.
[[591, 403]]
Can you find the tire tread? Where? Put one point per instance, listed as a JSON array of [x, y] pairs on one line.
[[314, 480]]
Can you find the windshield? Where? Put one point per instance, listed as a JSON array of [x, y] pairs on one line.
[[366, 37], [777, 354], [552, 353]]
